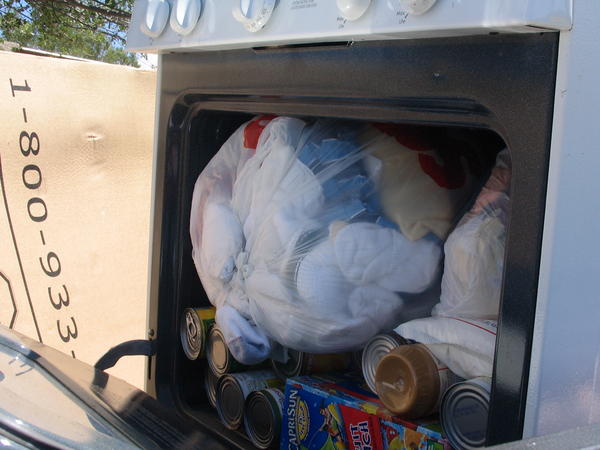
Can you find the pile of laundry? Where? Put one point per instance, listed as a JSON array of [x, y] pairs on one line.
[[317, 235]]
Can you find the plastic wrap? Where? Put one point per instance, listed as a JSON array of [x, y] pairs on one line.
[[474, 252], [303, 235]]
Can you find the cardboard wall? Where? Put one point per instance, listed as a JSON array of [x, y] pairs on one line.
[[75, 168]]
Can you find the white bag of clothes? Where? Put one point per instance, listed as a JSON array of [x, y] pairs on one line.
[[300, 235], [465, 346], [474, 252]]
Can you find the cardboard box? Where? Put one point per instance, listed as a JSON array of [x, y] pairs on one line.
[[75, 172], [338, 413]]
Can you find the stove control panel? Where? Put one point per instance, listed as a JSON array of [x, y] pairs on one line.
[[227, 24]]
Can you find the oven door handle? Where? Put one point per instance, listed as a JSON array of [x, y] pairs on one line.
[[137, 347]]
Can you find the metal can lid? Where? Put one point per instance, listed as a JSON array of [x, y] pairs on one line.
[[217, 352], [230, 402], [408, 382], [210, 386], [464, 413], [377, 348], [262, 419], [292, 367], [190, 332]]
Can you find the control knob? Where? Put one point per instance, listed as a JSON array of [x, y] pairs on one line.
[[353, 9], [185, 15], [254, 14], [416, 7], [156, 17]]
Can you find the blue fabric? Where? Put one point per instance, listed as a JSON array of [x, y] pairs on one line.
[[349, 193]]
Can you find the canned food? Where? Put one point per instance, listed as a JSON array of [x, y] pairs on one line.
[[233, 389], [193, 330], [220, 359], [377, 348], [210, 386], [263, 414], [300, 363], [410, 381], [464, 412]]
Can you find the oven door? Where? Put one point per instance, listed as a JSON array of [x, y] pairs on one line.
[[50, 400], [500, 83]]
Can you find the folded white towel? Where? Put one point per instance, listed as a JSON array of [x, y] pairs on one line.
[[370, 254], [321, 285], [324, 291], [378, 308]]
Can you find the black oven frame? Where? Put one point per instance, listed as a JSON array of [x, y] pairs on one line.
[[501, 82]]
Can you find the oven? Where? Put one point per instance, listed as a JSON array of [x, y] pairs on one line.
[[498, 71]]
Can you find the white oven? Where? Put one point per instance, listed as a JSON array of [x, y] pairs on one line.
[[522, 73]]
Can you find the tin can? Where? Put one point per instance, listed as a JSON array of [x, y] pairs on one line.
[[464, 412], [193, 330], [233, 389], [210, 386], [300, 363], [263, 414], [411, 381], [220, 359], [377, 348]]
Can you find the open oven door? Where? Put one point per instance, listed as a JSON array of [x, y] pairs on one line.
[[50, 400]]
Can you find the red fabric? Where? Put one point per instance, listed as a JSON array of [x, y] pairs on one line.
[[449, 174], [254, 129]]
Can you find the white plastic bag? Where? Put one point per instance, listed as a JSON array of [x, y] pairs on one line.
[[465, 346], [474, 252], [290, 238]]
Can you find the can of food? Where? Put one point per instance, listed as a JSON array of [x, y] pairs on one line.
[[220, 359], [263, 413], [210, 386], [300, 363], [410, 381], [193, 330], [464, 412], [234, 388], [377, 348]]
